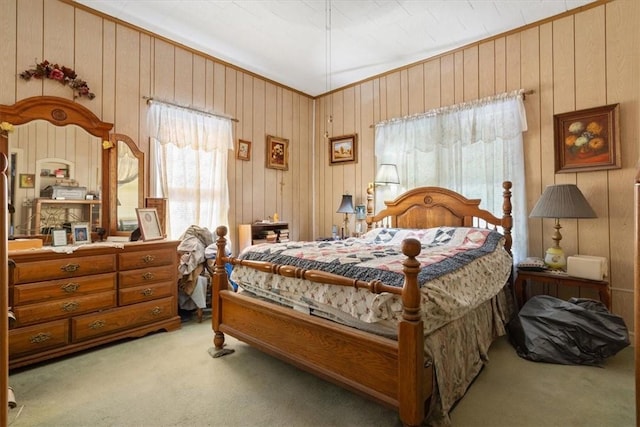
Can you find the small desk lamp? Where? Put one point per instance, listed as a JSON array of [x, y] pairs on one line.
[[560, 201], [346, 207]]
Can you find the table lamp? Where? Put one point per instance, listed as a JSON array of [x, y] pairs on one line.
[[346, 207], [387, 174], [560, 201]]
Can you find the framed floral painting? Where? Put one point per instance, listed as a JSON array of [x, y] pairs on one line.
[[277, 153], [587, 140], [244, 150]]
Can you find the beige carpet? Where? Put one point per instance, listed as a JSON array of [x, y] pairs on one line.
[[169, 379]]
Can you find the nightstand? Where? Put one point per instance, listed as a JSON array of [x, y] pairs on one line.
[[559, 279]]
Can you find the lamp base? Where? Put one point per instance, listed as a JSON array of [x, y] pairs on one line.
[[554, 258]]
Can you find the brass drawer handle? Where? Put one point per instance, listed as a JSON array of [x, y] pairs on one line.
[[147, 292], [148, 258], [70, 268], [40, 337], [148, 275], [70, 306], [70, 287], [98, 324], [156, 311]]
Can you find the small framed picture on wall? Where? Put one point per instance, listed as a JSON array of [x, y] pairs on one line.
[[343, 149], [277, 153], [244, 150]]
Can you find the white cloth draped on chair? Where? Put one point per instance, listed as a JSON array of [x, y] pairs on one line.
[[469, 148]]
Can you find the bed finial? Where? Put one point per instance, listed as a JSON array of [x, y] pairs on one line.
[[507, 219], [220, 282], [411, 290]]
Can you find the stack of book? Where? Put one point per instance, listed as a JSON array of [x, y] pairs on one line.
[[284, 235], [270, 236]]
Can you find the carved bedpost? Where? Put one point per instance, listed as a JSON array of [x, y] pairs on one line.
[[220, 283], [411, 359], [507, 219], [370, 190]]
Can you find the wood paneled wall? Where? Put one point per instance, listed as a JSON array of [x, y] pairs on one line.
[[121, 64], [581, 60]]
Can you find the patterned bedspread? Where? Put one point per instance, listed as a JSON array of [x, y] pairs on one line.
[[460, 269]]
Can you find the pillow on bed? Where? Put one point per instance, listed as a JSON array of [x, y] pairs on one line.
[[395, 236], [435, 236]]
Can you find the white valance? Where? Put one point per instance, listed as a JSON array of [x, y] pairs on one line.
[[183, 128]]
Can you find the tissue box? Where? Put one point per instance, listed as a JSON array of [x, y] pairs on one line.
[[587, 267], [22, 244]]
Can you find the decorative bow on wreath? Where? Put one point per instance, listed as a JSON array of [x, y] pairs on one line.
[[65, 75]]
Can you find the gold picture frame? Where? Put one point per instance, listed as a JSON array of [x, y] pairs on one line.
[[343, 149], [277, 153], [243, 151], [587, 140], [149, 223], [27, 180]]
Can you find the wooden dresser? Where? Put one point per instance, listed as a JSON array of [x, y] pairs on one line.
[[64, 303]]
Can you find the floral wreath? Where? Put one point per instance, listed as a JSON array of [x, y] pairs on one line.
[[65, 75]]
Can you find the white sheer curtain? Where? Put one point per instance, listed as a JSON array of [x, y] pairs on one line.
[[189, 166], [470, 148]]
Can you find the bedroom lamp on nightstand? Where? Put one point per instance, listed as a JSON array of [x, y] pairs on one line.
[[346, 207], [560, 201]]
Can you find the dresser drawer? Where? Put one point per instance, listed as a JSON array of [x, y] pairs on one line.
[[38, 271], [148, 258], [44, 311], [145, 293], [65, 288], [147, 275], [36, 338], [95, 324]]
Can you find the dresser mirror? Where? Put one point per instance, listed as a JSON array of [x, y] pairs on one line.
[[59, 170], [128, 181]]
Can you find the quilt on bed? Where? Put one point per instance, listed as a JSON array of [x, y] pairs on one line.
[[461, 267]]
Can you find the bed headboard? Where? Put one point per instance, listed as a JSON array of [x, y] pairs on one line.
[[426, 207]]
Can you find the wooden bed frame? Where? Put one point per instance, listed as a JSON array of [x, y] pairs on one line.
[[394, 373]]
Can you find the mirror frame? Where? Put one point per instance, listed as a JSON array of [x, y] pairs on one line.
[[113, 180], [63, 112]]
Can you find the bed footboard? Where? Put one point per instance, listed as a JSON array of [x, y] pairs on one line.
[[394, 373]]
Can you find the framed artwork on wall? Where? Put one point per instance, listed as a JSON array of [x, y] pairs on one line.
[[277, 153], [587, 140], [244, 150], [27, 180], [343, 149]]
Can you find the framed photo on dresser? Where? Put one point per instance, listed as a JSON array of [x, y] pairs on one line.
[[149, 224], [80, 233]]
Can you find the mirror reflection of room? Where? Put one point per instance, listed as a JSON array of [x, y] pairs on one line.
[[54, 170], [128, 182]]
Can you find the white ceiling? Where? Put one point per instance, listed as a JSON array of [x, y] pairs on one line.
[[288, 41]]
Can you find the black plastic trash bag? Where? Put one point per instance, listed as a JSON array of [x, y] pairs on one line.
[[579, 331]]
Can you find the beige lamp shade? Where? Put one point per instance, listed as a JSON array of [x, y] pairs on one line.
[[387, 174]]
